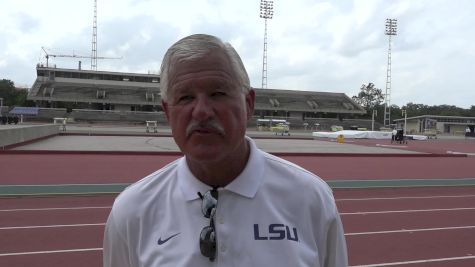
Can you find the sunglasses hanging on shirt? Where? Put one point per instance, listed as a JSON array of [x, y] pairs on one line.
[[208, 233]]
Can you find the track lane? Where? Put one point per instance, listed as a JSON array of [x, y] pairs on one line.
[[69, 168], [69, 259], [444, 263], [397, 247], [56, 201], [52, 217], [398, 192], [412, 220], [44, 239], [406, 203]]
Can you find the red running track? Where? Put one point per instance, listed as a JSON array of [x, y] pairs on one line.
[[441, 224], [50, 168], [441, 218], [442, 221]]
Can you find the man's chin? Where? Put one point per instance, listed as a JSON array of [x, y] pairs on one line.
[[204, 154]]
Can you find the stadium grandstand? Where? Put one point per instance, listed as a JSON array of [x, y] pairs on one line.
[[86, 95]]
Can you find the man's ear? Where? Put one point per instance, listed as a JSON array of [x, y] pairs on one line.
[[165, 108], [250, 100]]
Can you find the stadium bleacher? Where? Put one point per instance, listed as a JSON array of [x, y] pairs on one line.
[[121, 92]]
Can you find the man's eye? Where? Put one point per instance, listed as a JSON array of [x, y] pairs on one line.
[[218, 94], [185, 99]]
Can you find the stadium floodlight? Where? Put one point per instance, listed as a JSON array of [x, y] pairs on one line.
[[267, 12], [391, 30], [267, 9], [391, 27]]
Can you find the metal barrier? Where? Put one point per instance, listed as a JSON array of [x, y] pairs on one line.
[[61, 121], [151, 125]]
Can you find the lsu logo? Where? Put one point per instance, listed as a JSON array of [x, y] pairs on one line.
[[276, 232]]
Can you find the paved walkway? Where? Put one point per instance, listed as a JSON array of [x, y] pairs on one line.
[[160, 144], [135, 138]]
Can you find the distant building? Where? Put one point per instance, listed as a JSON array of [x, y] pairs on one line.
[[442, 124], [95, 90], [133, 92]]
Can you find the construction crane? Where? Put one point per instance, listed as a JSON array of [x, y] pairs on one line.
[[48, 55]]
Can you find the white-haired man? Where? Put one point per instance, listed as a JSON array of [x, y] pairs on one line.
[[226, 202]]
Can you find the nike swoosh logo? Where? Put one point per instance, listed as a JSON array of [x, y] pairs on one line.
[[161, 242]]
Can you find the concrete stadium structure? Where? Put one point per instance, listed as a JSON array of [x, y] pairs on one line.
[[454, 125], [94, 90], [116, 96]]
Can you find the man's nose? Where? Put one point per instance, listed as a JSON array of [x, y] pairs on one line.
[[203, 108]]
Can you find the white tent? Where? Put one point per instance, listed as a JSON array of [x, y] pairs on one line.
[[363, 135]]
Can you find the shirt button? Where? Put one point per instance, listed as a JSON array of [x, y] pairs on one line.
[[221, 220]]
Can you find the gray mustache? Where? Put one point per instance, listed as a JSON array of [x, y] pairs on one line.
[[209, 125]]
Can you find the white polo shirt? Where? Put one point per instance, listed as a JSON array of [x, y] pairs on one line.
[[273, 214]]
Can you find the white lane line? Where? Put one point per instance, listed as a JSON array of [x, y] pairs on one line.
[[415, 262], [401, 211], [65, 208], [49, 252], [461, 153], [395, 146], [51, 226], [412, 230], [401, 198]]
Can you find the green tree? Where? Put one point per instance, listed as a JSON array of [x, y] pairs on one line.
[[369, 97], [13, 96], [7, 92], [471, 111], [21, 99], [413, 109], [396, 112], [440, 110]]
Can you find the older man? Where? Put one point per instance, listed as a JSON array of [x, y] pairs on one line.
[[226, 202]]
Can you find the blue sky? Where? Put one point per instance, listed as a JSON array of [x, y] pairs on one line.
[[331, 46]]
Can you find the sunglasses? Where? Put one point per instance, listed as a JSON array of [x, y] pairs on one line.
[[208, 234]]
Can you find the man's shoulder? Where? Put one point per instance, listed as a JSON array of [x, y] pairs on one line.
[[149, 186], [137, 199], [312, 191], [285, 165], [289, 170]]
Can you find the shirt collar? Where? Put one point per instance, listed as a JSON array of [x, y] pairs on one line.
[[246, 184]]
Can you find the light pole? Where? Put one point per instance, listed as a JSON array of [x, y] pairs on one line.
[[266, 13], [375, 113], [404, 113], [1, 105], [94, 39], [391, 29]]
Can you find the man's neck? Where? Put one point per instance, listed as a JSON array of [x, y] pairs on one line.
[[222, 172]]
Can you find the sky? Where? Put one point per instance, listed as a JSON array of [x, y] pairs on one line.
[[312, 45]]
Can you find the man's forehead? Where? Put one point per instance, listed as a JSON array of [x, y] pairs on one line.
[[215, 62], [205, 81], [215, 57]]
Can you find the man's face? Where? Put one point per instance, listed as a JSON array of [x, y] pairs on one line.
[[206, 109]]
